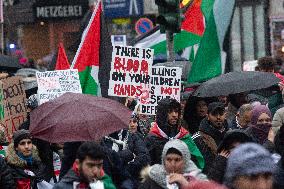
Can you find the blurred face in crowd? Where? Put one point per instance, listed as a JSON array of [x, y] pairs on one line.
[[201, 108], [244, 119], [217, 119], [90, 169], [173, 117], [174, 163], [260, 181], [263, 119], [25, 147], [133, 124]]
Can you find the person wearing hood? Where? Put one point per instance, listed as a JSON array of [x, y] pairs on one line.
[[176, 169], [260, 129], [195, 110], [211, 132], [24, 162], [166, 127], [231, 140], [250, 166]]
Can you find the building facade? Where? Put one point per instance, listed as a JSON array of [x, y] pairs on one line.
[[37, 26], [249, 35], [276, 16]]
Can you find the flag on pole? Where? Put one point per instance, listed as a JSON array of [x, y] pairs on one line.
[[191, 33], [93, 56], [210, 58], [62, 61]]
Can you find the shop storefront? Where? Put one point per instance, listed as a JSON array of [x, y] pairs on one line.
[[38, 26]]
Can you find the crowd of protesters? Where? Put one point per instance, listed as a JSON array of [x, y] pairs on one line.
[[233, 142]]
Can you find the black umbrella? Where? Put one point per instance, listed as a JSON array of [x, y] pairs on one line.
[[236, 82]]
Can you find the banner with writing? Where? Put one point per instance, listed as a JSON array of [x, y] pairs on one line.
[[13, 104], [130, 71], [52, 84], [165, 83]]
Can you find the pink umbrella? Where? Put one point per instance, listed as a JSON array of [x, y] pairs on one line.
[[78, 117]]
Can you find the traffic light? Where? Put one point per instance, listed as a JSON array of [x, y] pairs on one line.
[[170, 16]]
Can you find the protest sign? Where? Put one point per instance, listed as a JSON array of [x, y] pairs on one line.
[[165, 83], [52, 84], [130, 71], [13, 111]]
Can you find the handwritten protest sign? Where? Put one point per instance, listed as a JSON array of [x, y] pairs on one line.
[[52, 84], [130, 71], [12, 103], [165, 83]]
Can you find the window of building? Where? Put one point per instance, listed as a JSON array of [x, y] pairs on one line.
[[249, 35]]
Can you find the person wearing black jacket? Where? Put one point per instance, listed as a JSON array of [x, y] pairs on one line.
[[129, 145], [6, 178], [211, 132], [23, 161]]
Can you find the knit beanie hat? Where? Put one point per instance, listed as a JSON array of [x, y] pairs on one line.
[[20, 135], [248, 159], [257, 111]]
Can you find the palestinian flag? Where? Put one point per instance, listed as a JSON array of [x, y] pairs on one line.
[[191, 33], [93, 56], [62, 62], [209, 60], [186, 138]]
